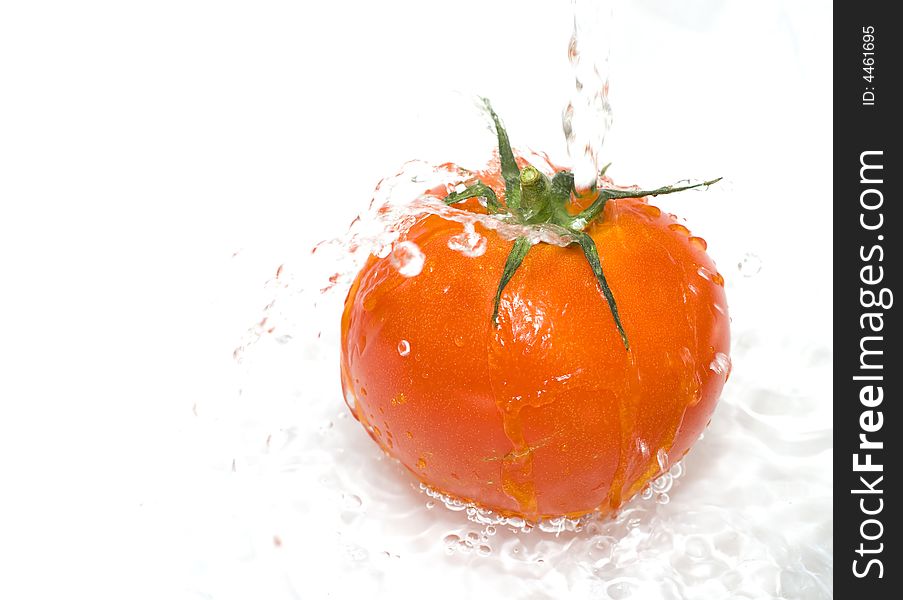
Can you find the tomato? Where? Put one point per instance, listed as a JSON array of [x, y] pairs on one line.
[[559, 392]]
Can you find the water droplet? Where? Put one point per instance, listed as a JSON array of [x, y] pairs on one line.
[[356, 553], [484, 550], [473, 536], [662, 457], [621, 590], [351, 401], [351, 501], [679, 228], [721, 364], [699, 243], [517, 522], [749, 265], [404, 347], [450, 540], [407, 258], [651, 211], [469, 243]]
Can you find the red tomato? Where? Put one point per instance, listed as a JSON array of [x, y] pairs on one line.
[[547, 409]]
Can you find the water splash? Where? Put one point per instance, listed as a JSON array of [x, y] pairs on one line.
[[407, 258], [663, 543], [588, 116], [469, 243], [750, 265]]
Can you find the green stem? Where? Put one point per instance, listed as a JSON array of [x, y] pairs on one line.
[[535, 195]]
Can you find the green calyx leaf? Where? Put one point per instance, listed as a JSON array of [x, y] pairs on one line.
[[477, 190], [586, 216], [518, 251], [592, 257], [510, 172], [532, 198]]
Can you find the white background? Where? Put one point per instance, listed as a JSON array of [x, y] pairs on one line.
[[143, 144]]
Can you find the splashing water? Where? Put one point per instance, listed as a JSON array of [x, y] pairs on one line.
[[332, 498], [316, 482], [407, 258], [588, 116], [469, 243], [750, 265]]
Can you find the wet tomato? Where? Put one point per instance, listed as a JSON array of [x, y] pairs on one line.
[[538, 379]]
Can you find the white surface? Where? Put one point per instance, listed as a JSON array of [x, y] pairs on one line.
[[141, 146]]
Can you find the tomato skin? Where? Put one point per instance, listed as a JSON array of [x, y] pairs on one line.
[[547, 413]]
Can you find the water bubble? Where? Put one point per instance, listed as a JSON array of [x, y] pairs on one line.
[[407, 258], [749, 265], [351, 501], [663, 498], [469, 243], [356, 553], [721, 364], [404, 347], [621, 590], [552, 525], [662, 484], [450, 540], [484, 550], [516, 522]]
